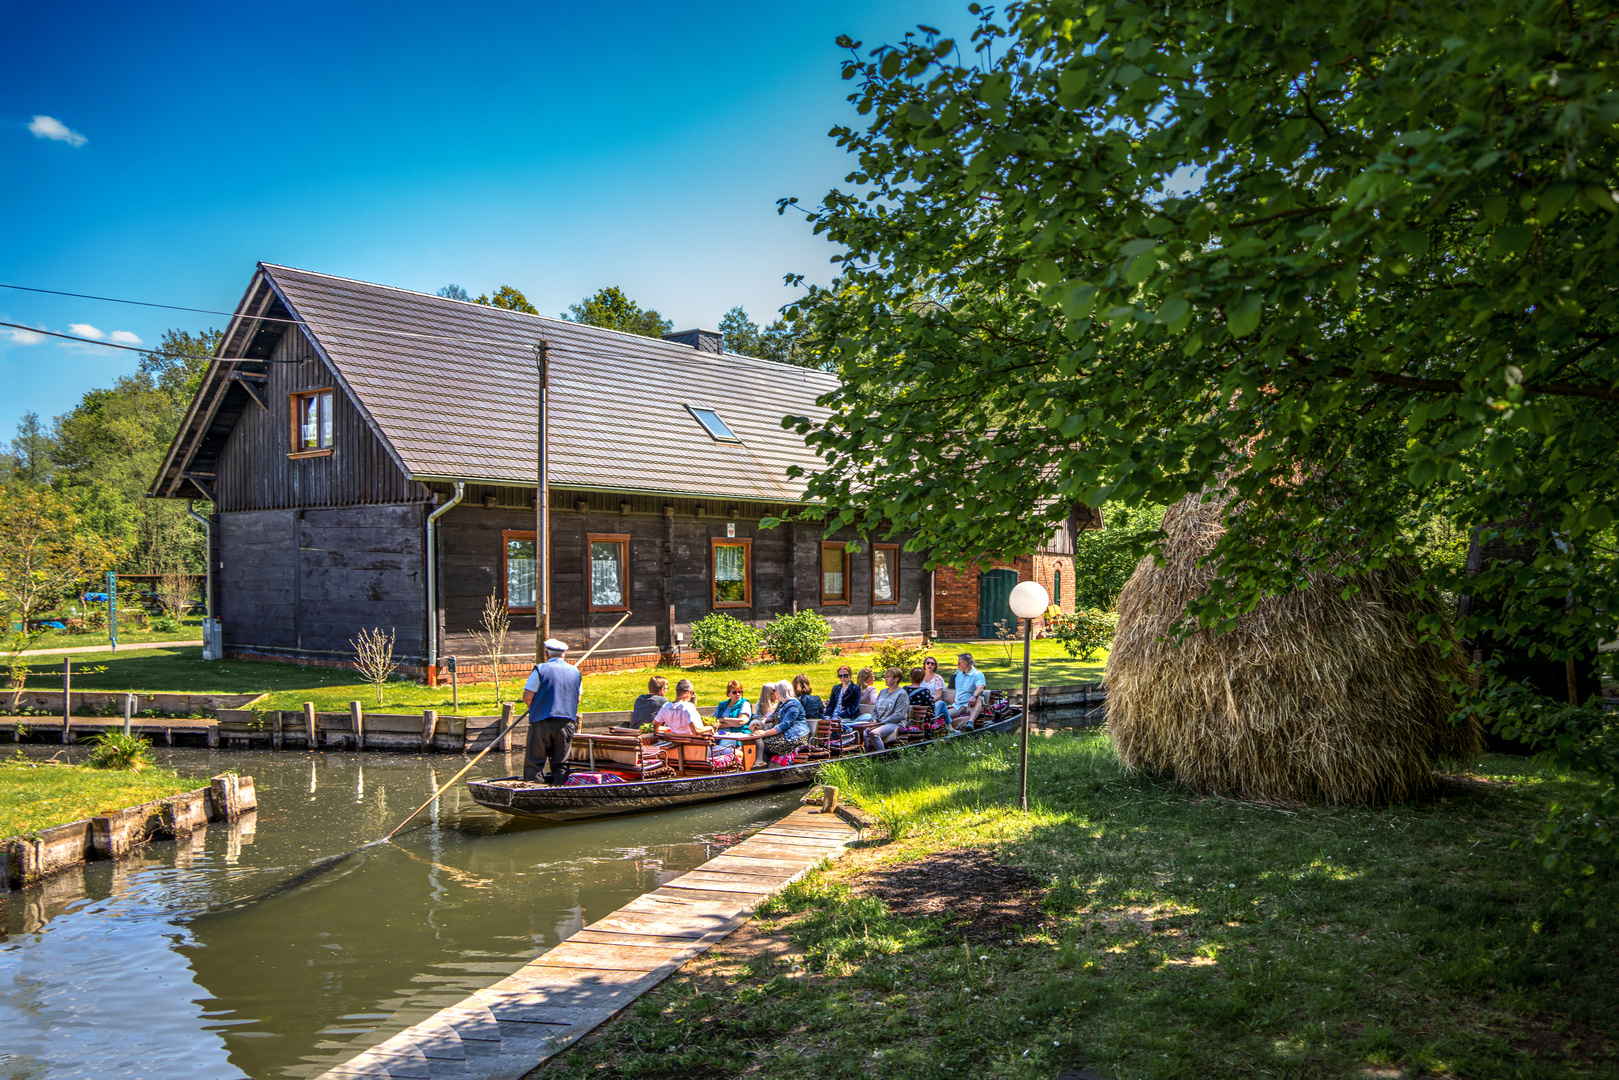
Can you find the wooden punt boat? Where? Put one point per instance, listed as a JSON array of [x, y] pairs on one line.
[[514, 795]]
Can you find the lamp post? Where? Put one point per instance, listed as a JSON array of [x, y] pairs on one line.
[[1029, 600]]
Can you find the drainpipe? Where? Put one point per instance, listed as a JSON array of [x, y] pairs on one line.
[[207, 559], [432, 581]]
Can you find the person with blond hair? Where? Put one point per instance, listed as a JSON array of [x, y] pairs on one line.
[[768, 700], [789, 729], [892, 711], [868, 691]]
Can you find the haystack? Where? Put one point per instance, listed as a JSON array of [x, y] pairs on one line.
[[1310, 698]]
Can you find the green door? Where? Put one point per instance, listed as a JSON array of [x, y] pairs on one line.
[[995, 602]]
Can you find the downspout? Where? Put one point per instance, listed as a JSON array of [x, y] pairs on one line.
[[207, 559], [432, 581]]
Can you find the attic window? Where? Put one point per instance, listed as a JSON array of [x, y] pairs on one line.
[[713, 424]]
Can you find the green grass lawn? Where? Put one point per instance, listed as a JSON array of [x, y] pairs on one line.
[[1167, 936], [35, 796], [190, 630], [178, 670]]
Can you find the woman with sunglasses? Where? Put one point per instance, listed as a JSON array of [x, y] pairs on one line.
[[932, 679], [735, 707], [843, 703]]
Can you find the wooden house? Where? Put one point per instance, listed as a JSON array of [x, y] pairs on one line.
[[371, 457]]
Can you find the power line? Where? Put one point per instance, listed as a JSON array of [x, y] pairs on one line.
[[259, 318], [148, 352]]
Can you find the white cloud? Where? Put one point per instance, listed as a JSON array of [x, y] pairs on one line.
[[49, 127], [21, 337], [84, 329], [125, 337], [52, 128]]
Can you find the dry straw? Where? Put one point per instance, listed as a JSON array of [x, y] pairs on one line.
[[1311, 697]]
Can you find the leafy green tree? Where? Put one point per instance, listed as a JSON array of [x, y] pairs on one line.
[[610, 308], [1104, 559], [1353, 264], [453, 291], [46, 550], [505, 297], [29, 461], [779, 341]]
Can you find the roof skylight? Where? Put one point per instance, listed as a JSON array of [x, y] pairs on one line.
[[713, 424]]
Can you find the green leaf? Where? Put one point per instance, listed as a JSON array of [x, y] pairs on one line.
[[1242, 318], [1076, 304], [1173, 309], [1511, 239]]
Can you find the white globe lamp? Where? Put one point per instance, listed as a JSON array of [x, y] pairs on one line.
[[1029, 601]]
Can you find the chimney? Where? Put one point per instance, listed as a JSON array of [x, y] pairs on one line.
[[710, 341]]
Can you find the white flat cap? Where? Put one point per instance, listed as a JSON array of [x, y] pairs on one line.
[[553, 645]]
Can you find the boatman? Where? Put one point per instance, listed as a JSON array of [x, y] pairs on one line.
[[552, 697]]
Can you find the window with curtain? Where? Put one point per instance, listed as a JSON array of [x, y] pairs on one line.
[[885, 574], [312, 422], [834, 573], [520, 572], [609, 574], [732, 574]]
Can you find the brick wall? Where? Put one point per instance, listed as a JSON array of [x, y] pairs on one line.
[[955, 591]]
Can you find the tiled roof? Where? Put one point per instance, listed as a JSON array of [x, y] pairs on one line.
[[451, 385]]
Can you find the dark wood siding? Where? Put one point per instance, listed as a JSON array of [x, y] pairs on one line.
[[470, 561], [254, 472], [306, 582]]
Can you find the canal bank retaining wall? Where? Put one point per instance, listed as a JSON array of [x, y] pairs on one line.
[[27, 860]]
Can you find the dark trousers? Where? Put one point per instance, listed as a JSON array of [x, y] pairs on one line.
[[549, 741]]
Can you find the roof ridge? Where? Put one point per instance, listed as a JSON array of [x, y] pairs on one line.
[[546, 318]]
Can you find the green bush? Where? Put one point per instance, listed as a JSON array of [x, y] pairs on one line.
[[724, 642], [895, 653], [797, 639], [165, 624], [1084, 632], [1104, 560], [115, 750]]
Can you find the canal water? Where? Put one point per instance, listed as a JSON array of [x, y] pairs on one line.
[[161, 966]]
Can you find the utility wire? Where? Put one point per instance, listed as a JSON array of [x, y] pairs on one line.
[[261, 318], [149, 352]]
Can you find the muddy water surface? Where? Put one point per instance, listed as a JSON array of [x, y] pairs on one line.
[[164, 966]]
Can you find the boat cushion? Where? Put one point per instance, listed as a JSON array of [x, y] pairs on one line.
[[580, 779]]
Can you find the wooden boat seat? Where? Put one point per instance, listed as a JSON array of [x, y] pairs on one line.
[[615, 752], [695, 754]]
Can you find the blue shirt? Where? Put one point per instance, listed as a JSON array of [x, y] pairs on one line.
[[790, 721], [966, 683], [555, 684]]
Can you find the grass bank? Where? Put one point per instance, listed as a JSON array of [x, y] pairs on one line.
[[190, 630], [1150, 934], [180, 670], [35, 796]]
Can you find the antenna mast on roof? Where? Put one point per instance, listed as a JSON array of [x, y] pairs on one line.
[[542, 513]]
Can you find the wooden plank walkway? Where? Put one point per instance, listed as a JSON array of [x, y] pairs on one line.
[[502, 1032]]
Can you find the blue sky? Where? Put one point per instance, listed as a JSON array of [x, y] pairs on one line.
[[557, 148]]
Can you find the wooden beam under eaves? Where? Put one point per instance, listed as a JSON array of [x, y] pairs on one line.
[[200, 481], [253, 386]]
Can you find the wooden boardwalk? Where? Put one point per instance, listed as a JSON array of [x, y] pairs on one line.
[[544, 1007]]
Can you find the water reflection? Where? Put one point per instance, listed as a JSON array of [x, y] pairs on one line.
[[147, 968]]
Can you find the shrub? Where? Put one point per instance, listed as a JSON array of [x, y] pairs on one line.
[[895, 653], [797, 639], [1084, 632], [724, 642], [115, 750], [165, 624]]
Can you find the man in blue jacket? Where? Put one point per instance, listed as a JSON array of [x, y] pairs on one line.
[[552, 697]]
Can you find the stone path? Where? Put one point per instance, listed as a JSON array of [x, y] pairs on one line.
[[502, 1032]]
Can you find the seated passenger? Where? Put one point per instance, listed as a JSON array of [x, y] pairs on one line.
[[735, 708], [843, 704], [893, 711], [647, 705], [969, 696], [789, 728], [768, 700], [933, 680], [813, 708], [868, 691], [919, 692], [680, 715]]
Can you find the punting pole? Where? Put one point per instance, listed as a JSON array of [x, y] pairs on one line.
[[542, 507], [331, 862], [468, 767]]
